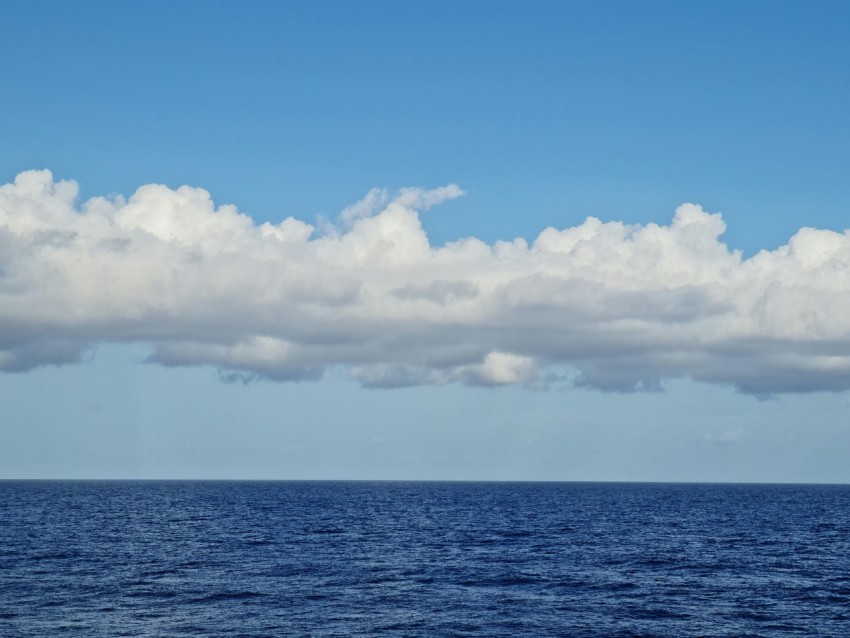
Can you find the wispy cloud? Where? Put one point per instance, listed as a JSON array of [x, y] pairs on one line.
[[724, 438], [605, 305]]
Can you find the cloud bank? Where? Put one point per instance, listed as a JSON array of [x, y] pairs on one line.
[[604, 305]]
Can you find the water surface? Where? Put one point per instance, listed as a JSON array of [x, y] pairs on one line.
[[423, 559]]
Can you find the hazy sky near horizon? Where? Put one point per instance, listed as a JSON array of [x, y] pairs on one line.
[[546, 241]]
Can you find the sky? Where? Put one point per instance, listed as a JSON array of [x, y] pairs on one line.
[[449, 241]]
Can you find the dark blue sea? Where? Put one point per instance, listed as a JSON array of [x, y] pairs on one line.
[[423, 559]]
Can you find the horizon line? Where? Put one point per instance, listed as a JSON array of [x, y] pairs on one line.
[[384, 480]]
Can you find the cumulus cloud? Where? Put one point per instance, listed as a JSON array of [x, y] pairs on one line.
[[602, 304]]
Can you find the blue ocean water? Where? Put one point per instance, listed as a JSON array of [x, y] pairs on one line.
[[423, 559]]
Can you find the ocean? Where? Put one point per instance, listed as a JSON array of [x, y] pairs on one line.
[[251, 559]]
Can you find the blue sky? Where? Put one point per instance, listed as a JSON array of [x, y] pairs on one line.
[[542, 114]]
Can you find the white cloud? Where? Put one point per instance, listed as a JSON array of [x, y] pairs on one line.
[[621, 307]]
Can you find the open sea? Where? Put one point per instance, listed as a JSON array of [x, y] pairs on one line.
[[255, 559]]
